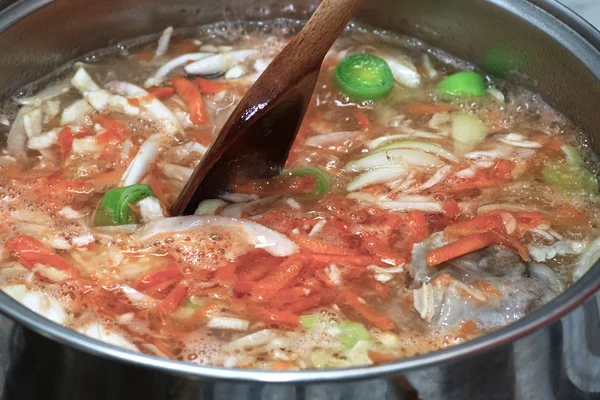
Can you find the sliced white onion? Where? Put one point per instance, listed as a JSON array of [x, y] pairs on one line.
[[318, 227], [137, 298], [103, 334], [257, 235], [17, 137], [235, 72], [238, 197], [329, 139], [404, 71], [209, 207], [436, 178], [45, 140], [375, 143], [86, 144], [32, 121], [75, 112], [99, 98], [163, 42], [517, 140], [467, 132], [497, 152], [588, 258], [429, 70], [68, 213], [151, 104], [261, 64], [401, 206], [496, 94], [228, 323], [428, 147], [254, 339], [377, 175], [142, 162], [394, 157], [41, 303], [217, 63], [176, 172], [510, 222], [162, 72], [150, 209], [505, 206], [391, 270]]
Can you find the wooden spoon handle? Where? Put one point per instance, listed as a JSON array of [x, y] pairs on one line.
[[325, 25]]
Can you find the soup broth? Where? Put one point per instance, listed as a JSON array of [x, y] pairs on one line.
[[423, 204]]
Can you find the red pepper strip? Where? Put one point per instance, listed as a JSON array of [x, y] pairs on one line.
[[363, 120], [31, 251], [173, 300], [275, 316], [163, 92], [244, 286], [466, 245], [492, 222], [226, 273], [323, 247], [367, 312], [156, 278], [210, 87], [416, 226], [278, 279], [192, 98]]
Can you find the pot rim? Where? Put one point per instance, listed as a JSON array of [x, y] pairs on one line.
[[572, 31]]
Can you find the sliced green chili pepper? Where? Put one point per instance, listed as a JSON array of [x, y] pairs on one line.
[[573, 155], [570, 178], [364, 76], [114, 207], [465, 83], [323, 178]]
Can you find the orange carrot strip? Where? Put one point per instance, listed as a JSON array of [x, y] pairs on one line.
[[275, 316], [380, 358], [492, 222], [282, 366], [416, 226], [368, 313], [225, 273], [173, 299], [382, 251], [463, 246], [192, 98], [361, 117], [304, 304], [31, 251], [163, 92], [341, 259], [279, 278], [512, 243], [208, 86], [155, 278], [320, 246], [243, 286], [65, 140]]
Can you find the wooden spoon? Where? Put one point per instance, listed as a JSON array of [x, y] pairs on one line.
[[257, 137]]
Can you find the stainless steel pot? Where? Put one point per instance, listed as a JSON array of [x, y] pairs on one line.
[[552, 354]]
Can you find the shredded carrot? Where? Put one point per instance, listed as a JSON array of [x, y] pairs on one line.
[[282, 366], [380, 358], [451, 209], [323, 247], [466, 245], [225, 273], [416, 226], [426, 109], [243, 286], [338, 259], [115, 132], [362, 118], [478, 224], [468, 328], [156, 278], [208, 86], [304, 304], [204, 138], [163, 92], [279, 278], [382, 250], [192, 98], [512, 243], [173, 299], [275, 316], [65, 140], [367, 312], [31, 251]]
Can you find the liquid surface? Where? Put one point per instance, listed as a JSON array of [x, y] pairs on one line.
[[424, 219]]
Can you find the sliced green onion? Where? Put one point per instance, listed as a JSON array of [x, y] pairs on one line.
[[465, 83], [352, 333], [364, 76], [428, 147], [467, 132], [573, 155], [323, 178], [310, 321], [115, 207], [569, 178]]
